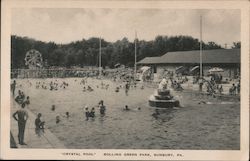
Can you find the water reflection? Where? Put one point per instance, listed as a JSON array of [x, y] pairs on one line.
[[102, 118], [164, 115]]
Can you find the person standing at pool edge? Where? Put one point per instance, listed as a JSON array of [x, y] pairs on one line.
[[13, 87], [22, 119], [102, 107], [126, 88], [87, 113]]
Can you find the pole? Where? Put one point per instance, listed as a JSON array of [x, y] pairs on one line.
[[100, 57], [200, 46], [135, 55]]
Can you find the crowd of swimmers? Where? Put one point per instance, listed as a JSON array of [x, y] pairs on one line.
[[56, 85], [212, 86], [235, 89], [23, 100], [91, 113], [127, 86], [89, 89], [53, 85]]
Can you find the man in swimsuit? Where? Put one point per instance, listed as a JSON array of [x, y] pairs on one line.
[[22, 117], [39, 124]]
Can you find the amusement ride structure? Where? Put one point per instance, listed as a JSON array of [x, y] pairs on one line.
[[33, 59]]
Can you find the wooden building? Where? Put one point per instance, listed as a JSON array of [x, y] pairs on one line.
[[227, 59]]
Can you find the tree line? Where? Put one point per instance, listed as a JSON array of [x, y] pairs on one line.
[[86, 52]]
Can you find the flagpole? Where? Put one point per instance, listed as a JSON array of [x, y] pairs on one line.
[[100, 57], [135, 55], [200, 46]]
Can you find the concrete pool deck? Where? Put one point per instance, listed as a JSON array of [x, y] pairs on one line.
[[47, 140]]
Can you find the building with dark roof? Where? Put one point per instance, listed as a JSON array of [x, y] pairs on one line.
[[227, 59]]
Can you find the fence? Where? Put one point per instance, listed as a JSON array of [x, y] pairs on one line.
[[50, 73], [63, 73]]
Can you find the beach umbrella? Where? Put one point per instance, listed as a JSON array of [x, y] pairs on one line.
[[144, 68], [194, 68], [216, 69], [179, 69], [117, 65]]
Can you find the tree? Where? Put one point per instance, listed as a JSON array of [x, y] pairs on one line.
[[57, 57], [211, 45], [86, 52], [236, 45], [70, 60]]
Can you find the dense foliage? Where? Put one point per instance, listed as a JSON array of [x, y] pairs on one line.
[[85, 52]]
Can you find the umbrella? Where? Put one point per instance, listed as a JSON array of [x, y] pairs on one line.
[[117, 65], [194, 68], [144, 68], [178, 68], [216, 69]]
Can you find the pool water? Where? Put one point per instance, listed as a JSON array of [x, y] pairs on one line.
[[212, 126]]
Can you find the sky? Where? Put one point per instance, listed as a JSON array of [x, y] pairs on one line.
[[64, 25]]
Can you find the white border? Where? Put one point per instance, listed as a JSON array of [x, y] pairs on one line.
[[8, 153]]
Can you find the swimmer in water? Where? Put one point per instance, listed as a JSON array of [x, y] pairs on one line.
[[27, 101], [92, 112], [39, 124], [58, 119], [156, 114], [102, 107], [126, 108], [67, 114], [126, 88], [19, 98], [53, 108], [87, 112]]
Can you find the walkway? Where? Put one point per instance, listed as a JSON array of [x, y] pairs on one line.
[[46, 141]]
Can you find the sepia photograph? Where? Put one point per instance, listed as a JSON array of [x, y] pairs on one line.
[[126, 78]]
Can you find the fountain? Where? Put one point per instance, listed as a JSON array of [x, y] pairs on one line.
[[162, 97]]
